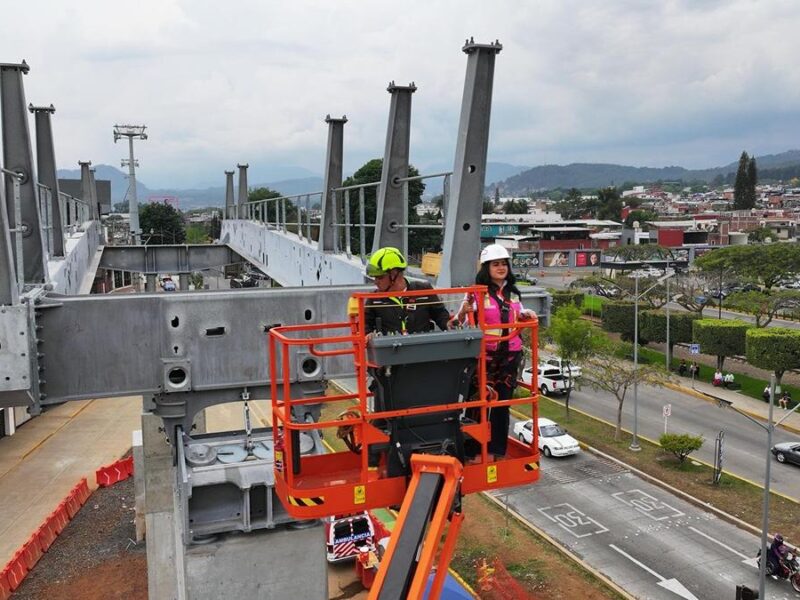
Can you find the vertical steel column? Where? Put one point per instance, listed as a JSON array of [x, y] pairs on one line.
[[94, 206], [333, 179], [86, 188], [462, 241], [9, 291], [308, 216], [46, 166], [229, 195], [283, 214], [390, 219], [18, 157], [242, 199], [347, 223]]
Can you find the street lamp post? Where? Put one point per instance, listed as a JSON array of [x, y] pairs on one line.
[[667, 352], [635, 447], [769, 428]]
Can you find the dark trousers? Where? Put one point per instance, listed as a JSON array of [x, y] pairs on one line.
[[501, 374]]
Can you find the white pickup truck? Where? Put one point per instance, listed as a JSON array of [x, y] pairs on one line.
[[554, 361], [550, 379]]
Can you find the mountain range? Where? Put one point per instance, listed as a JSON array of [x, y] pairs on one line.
[[512, 180]]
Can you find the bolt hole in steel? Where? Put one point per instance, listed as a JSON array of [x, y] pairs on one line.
[[177, 376], [310, 365], [175, 321], [215, 331], [175, 349], [466, 226], [309, 314], [471, 168]]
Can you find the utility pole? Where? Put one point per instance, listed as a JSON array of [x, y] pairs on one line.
[[131, 132]]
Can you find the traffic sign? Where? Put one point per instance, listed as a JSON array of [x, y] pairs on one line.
[[667, 410], [694, 348]]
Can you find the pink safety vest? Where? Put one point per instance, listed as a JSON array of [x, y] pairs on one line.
[[491, 311]]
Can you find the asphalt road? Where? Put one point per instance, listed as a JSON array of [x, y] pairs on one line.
[[654, 545], [745, 442]]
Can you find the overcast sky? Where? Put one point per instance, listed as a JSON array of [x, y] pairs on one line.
[[690, 83]]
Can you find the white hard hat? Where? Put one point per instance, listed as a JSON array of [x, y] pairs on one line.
[[494, 252]]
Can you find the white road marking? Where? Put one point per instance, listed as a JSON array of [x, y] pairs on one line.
[[673, 585], [573, 520], [647, 504], [748, 560]]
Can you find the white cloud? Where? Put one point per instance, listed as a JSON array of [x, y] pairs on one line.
[[677, 82]]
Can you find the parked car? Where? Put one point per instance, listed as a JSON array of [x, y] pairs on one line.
[[550, 379], [552, 440], [787, 452], [168, 285]]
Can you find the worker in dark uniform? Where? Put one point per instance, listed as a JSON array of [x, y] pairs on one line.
[[400, 315]]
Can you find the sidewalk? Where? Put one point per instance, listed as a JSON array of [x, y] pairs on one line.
[[751, 406], [50, 453]]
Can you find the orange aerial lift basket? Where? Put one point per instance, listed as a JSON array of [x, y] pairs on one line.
[[424, 393]]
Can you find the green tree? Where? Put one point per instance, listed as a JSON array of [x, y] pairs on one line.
[[640, 216], [654, 327], [264, 211], [515, 207], [766, 264], [572, 206], [564, 298], [370, 172], [161, 224], [741, 186], [609, 204], [574, 338], [687, 290], [196, 234], [752, 181], [775, 349], [720, 337], [619, 317], [764, 306], [680, 445], [605, 371], [488, 207], [761, 234]]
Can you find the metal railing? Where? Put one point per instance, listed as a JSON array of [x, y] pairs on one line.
[[274, 217], [271, 212], [74, 212], [19, 229]]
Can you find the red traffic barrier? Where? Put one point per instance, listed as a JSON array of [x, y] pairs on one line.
[[115, 472], [16, 569], [82, 491], [31, 552], [5, 586], [59, 518], [46, 534]]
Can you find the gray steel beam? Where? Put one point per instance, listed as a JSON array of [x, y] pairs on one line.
[[462, 227], [18, 157], [328, 233], [242, 199], [86, 185], [391, 215], [46, 165], [229, 195], [9, 292], [189, 350], [171, 259], [93, 195]]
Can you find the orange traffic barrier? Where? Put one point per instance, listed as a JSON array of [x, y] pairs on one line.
[[32, 552], [82, 491], [115, 472], [5, 586], [46, 534], [17, 569]]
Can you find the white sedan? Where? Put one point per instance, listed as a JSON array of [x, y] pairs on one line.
[[553, 440]]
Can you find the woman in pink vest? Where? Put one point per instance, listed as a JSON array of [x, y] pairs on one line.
[[501, 305]]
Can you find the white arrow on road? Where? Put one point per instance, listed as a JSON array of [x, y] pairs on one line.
[[748, 560], [673, 585]]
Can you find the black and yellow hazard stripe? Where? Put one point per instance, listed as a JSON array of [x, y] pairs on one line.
[[532, 466], [312, 501]]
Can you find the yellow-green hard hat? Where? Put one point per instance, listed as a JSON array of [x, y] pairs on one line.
[[385, 259]]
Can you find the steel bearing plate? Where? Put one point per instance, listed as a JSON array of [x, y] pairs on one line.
[[231, 454]]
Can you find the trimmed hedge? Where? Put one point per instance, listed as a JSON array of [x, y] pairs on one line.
[[774, 349], [720, 337], [653, 325], [618, 316], [564, 297]]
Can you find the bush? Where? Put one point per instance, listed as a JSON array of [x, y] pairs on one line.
[[564, 297], [681, 445], [775, 349], [653, 325], [720, 337], [619, 317]]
